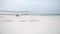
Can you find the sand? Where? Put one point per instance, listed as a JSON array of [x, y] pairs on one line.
[[29, 24]]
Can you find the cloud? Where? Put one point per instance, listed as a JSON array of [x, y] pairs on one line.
[[36, 6]]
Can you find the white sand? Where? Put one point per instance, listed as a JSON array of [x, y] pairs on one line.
[[29, 24]]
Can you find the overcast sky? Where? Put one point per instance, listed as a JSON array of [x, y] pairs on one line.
[[35, 6]]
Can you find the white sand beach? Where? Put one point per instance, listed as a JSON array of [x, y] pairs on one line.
[[29, 24]]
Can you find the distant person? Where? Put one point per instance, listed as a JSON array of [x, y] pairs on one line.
[[17, 15]]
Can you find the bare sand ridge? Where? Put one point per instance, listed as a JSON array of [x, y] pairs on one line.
[[29, 24]]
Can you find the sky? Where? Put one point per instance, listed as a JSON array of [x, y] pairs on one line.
[[33, 6]]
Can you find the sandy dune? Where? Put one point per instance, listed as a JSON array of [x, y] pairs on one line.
[[29, 24]]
